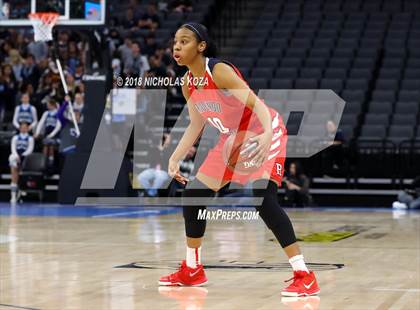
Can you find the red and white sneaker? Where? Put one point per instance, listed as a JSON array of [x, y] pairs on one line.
[[185, 276], [304, 284]]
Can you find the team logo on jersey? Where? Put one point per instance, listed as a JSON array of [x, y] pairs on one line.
[[279, 169], [208, 106]]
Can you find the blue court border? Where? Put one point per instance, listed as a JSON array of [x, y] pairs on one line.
[[57, 210]]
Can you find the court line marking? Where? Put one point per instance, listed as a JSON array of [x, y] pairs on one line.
[[386, 289], [18, 307], [149, 212]]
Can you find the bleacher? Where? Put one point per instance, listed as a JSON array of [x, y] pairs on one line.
[[368, 52]]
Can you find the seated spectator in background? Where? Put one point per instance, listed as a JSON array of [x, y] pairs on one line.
[[116, 64], [6, 96], [8, 87], [25, 113], [150, 19], [409, 198], [39, 49], [333, 156], [50, 125], [186, 166], [30, 71], [296, 186], [21, 146], [181, 6], [125, 49], [15, 59], [78, 105], [137, 64], [150, 47], [129, 20], [154, 177]]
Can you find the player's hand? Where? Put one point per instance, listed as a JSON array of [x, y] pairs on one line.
[[260, 153], [173, 171]]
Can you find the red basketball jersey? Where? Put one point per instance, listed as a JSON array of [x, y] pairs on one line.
[[220, 108]]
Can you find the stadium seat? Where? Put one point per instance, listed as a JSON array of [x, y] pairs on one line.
[[340, 63], [384, 95], [316, 62], [262, 73], [384, 107], [273, 52], [349, 119], [386, 84], [286, 73], [353, 107], [376, 119], [411, 73], [404, 119], [409, 95], [390, 73], [306, 83], [402, 107], [258, 83], [373, 132], [291, 62], [411, 84], [320, 52], [353, 95], [360, 74], [333, 73], [313, 73], [357, 84], [281, 84], [267, 62], [398, 133], [334, 84]]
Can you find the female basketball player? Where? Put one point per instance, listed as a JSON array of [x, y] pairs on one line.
[[226, 87]]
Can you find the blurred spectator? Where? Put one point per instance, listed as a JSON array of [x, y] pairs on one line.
[[78, 106], [25, 113], [15, 59], [50, 126], [30, 72], [186, 166], [8, 89], [409, 198], [116, 64], [150, 46], [296, 186], [129, 20], [21, 146], [137, 64], [39, 49], [150, 19], [181, 6], [154, 177], [125, 49], [333, 156]]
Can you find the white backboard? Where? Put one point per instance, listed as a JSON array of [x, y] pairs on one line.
[[14, 13]]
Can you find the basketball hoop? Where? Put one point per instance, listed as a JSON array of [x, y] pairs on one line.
[[43, 24]]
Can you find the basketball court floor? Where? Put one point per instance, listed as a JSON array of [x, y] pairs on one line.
[[67, 257]]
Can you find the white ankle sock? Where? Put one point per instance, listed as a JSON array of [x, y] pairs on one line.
[[298, 263], [193, 257]]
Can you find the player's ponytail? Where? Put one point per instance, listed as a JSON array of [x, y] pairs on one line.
[[211, 49], [201, 33]]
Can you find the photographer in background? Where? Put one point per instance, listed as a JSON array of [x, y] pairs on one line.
[[409, 198], [296, 184]]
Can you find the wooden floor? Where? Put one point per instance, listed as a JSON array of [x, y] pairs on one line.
[[50, 262]]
